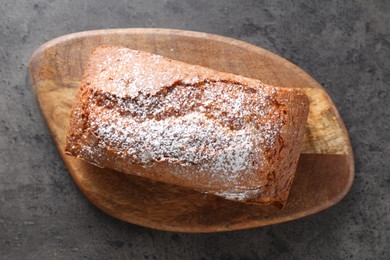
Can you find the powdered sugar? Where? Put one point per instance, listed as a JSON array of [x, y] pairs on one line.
[[240, 196], [180, 114], [192, 139]]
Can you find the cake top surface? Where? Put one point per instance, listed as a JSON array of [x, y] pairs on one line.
[[151, 109]]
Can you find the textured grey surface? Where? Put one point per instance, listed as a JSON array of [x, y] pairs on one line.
[[345, 45]]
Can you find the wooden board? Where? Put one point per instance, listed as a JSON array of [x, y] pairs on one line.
[[325, 170]]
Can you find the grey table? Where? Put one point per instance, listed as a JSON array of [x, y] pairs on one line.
[[345, 45]]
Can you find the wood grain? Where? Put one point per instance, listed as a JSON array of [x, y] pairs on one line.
[[325, 171]]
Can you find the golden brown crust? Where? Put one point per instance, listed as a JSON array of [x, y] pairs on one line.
[[187, 125]]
